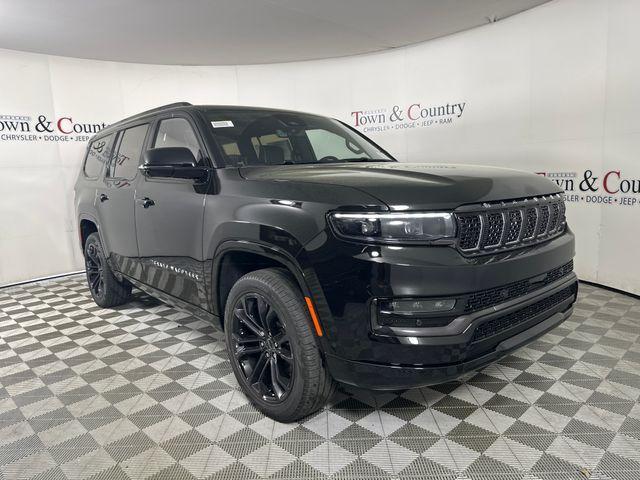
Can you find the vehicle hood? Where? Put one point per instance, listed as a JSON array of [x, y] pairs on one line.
[[412, 186]]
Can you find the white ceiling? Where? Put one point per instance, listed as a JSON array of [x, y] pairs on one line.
[[219, 32]]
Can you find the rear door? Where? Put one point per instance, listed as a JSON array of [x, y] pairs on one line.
[[169, 215], [115, 201]]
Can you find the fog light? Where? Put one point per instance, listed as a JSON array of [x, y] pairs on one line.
[[415, 307]]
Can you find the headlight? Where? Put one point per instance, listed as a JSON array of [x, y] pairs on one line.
[[394, 227]]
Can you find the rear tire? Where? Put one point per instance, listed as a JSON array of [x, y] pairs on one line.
[[272, 348], [107, 291]]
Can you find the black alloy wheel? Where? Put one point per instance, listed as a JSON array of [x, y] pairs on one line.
[[95, 270], [272, 346], [262, 347], [106, 290]]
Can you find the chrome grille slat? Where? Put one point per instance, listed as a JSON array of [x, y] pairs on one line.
[[555, 217], [516, 222], [504, 226], [492, 234], [543, 220], [471, 232], [531, 219]]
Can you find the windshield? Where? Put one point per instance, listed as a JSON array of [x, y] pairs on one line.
[[263, 137]]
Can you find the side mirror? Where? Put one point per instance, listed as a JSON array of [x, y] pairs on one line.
[[171, 162]]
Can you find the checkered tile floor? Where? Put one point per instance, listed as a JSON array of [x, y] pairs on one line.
[[146, 391]]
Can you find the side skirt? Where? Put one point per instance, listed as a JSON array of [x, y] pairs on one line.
[[176, 302]]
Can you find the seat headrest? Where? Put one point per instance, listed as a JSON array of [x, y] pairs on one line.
[[271, 155]]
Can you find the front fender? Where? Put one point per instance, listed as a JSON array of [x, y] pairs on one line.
[[269, 251], [298, 266]]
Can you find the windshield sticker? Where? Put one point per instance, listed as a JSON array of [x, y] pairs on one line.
[[221, 123]]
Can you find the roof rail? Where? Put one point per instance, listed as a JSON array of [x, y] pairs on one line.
[[153, 110]]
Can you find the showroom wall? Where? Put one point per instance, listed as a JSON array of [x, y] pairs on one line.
[[553, 91]]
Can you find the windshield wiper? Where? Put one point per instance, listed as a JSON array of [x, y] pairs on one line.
[[365, 159]]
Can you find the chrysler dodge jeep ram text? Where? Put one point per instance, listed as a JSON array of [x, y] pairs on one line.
[[321, 257]]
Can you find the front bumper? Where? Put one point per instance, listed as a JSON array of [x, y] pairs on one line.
[[378, 376], [347, 279]]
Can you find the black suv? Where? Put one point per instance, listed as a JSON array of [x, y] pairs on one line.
[[321, 257]]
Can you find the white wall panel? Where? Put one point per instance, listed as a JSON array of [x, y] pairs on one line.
[[568, 69], [623, 68]]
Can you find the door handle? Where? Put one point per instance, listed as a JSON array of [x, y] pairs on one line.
[[103, 197], [147, 202]]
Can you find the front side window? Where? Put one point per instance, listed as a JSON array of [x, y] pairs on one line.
[[266, 137], [177, 132], [126, 161], [98, 154]]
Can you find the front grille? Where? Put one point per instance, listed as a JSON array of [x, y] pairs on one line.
[[532, 220], [501, 324], [493, 296], [493, 232], [515, 224], [503, 226], [543, 222], [469, 228]]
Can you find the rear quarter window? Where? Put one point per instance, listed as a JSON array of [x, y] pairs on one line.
[[125, 162], [98, 155]]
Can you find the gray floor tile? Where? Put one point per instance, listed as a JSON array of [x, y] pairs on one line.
[[143, 391]]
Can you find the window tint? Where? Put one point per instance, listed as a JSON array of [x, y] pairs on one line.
[[274, 137], [98, 155], [125, 164], [267, 143], [329, 144], [176, 132], [231, 150]]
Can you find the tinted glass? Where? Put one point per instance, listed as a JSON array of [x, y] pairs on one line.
[[98, 155], [125, 163], [264, 137], [326, 143], [176, 132]]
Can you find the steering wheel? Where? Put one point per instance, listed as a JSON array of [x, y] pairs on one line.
[[328, 158]]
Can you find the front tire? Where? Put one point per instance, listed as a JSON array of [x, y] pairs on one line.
[[271, 346], [107, 291]]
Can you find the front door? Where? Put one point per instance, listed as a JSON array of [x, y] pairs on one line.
[[115, 201], [169, 215]]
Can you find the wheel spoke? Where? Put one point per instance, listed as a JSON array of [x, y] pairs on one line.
[[258, 369], [244, 340], [281, 338], [276, 381], [270, 318], [285, 355], [247, 351], [264, 313], [92, 253], [283, 346], [95, 283], [247, 306], [244, 317], [246, 346]]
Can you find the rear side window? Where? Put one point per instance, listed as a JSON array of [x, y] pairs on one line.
[[177, 132], [125, 163], [99, 154]]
